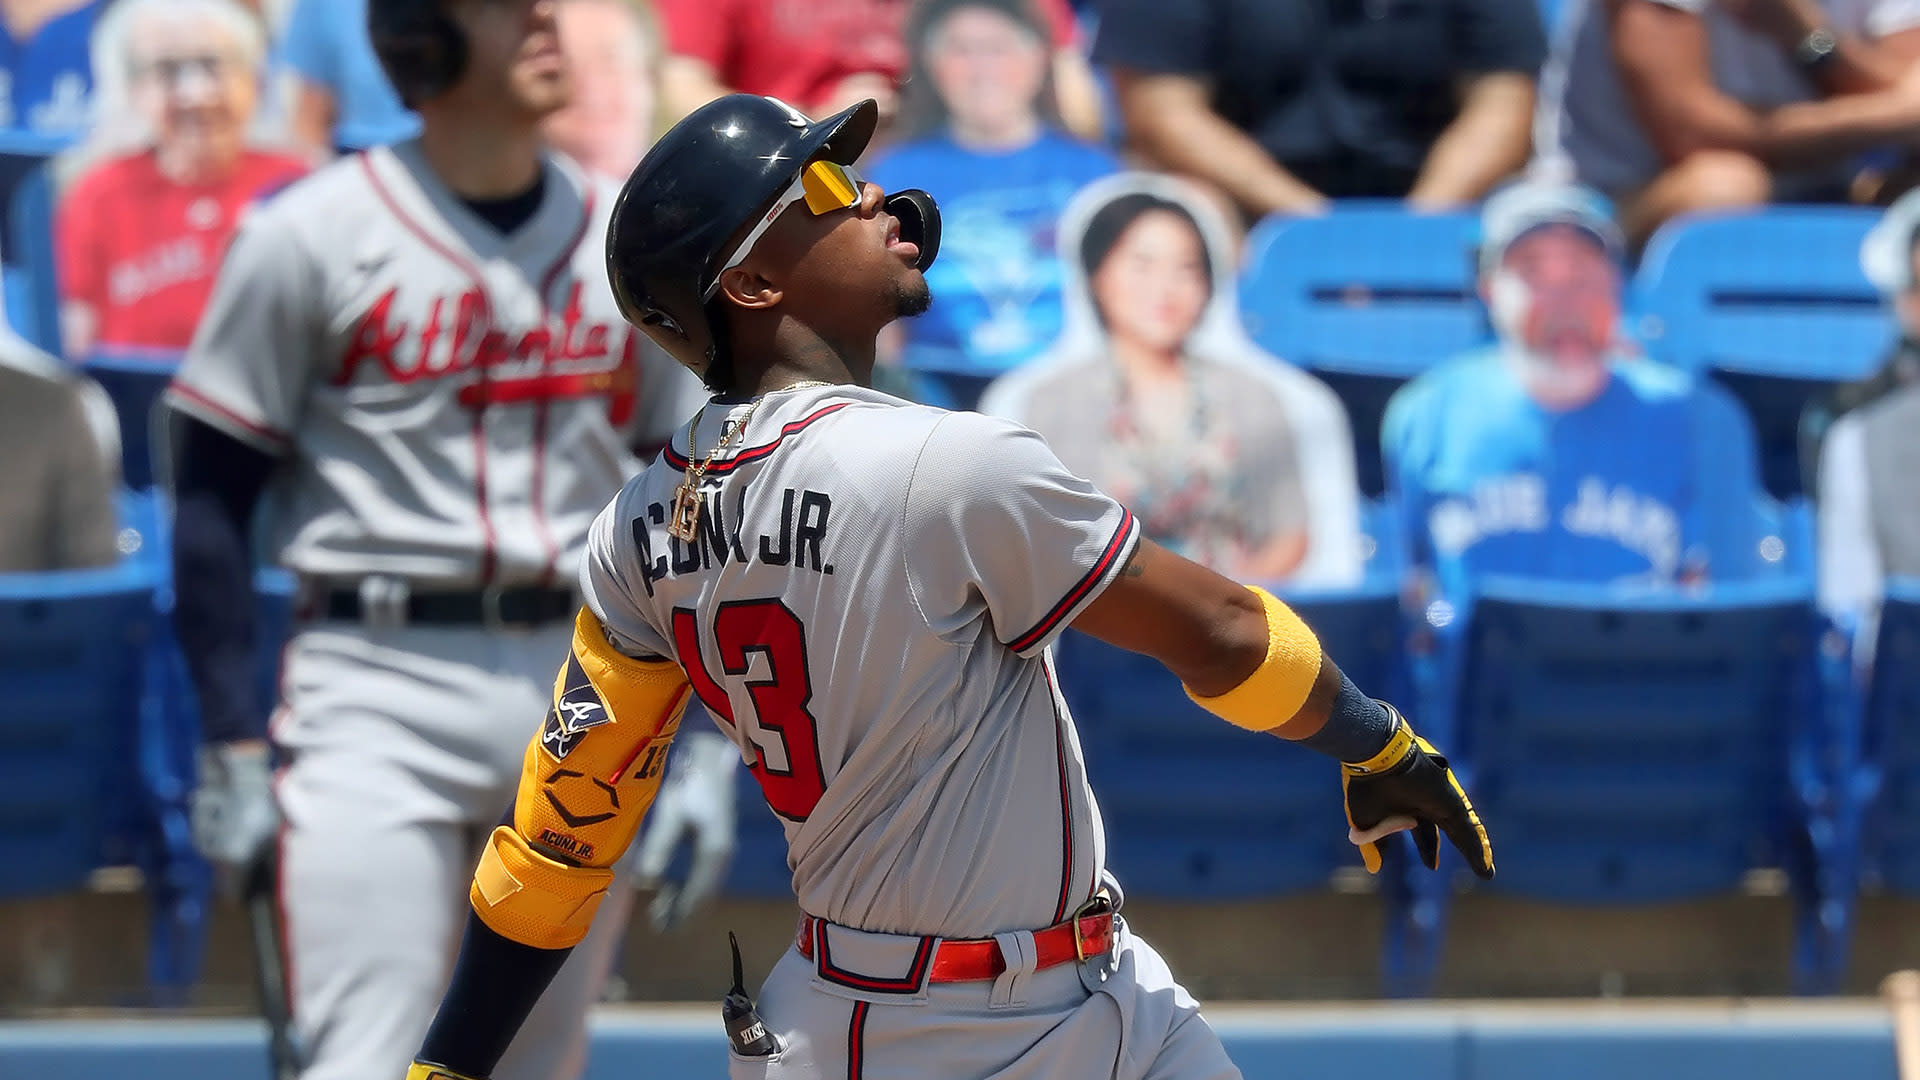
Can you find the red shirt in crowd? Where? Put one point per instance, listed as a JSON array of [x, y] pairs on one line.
[[143, 250], [799, 50]]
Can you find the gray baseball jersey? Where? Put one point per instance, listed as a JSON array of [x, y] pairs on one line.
[[866, 612], [454, 404]]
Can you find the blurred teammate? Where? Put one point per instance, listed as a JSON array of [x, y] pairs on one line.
[[416, 350], [1869, 504], [863, 593]]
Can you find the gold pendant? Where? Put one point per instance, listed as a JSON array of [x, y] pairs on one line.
[[685, 523]]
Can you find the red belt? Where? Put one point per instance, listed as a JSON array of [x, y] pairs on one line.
[[1089, 933]]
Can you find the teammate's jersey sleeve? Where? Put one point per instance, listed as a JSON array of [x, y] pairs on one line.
[[995, 525], [609, 571], [253, 354]]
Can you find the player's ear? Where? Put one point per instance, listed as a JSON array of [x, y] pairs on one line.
[[749, 289]]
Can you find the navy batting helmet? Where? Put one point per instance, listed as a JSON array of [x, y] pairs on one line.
[[718, 169], [421, 47]]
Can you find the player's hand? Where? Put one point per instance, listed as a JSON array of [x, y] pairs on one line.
[[232, 811], [1408, 785], [695, 802]]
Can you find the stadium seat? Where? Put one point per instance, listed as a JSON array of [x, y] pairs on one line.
[[26, 236], [1366, 297], [1637, 746], [179, 881], [134, 380], [72, 646], [1774, 304], [1893, 739]]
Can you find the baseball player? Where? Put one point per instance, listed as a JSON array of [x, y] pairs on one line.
[[416, 351], [863, 593]]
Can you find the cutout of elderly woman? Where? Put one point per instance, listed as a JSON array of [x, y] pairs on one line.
[[1227, 455], [140, 235]]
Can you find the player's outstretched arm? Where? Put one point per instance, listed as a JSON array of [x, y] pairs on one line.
[[1247, 658], [587, 781]]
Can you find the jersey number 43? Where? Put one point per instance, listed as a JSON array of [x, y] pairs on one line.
[[762, 648]]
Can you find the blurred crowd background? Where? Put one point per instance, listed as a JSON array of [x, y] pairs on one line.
[[1557, 357]]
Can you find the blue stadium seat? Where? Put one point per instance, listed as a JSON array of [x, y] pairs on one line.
[[1774, 304], [1893, 727], [1630, 747], [26, 236], [71, 666], [134, 380], [1366, 297], [179, 881]]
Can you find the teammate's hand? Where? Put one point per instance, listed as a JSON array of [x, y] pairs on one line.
[[1408, 785], [696, 799], [232, 810]]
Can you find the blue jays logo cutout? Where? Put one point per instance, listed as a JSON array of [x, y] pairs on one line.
[[574, 712]]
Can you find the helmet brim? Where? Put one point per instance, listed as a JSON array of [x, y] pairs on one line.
[[845, 134]]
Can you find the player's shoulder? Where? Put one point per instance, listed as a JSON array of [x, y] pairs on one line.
[[583, 183], [333, 200]]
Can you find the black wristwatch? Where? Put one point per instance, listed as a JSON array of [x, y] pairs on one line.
[[1816, 50]]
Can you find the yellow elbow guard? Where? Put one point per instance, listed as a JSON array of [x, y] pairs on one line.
[[585, 785], [526, 897], [1277, 688]]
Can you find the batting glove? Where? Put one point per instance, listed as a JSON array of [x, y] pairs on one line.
[[421, 1070], [1409, 785], [696, 802], [232, 810]]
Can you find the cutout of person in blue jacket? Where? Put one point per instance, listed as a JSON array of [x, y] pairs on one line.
[[1555, 453]]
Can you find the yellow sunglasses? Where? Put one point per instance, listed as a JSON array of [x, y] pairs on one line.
[[825, 185]]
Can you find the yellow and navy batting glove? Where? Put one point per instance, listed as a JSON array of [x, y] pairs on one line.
[[1411, 781], [420, 1070]]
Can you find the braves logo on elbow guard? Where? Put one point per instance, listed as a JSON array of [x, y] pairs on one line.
[[576, 709]]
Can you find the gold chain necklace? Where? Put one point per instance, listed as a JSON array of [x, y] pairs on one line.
[[684, 524]]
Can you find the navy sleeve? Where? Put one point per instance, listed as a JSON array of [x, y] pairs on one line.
[[495, 985], [1157, 36], [218, 480], [1500, 35]]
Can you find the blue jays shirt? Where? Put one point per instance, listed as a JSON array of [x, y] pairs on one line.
[[46, 81], [996, 285], [1653, 481]]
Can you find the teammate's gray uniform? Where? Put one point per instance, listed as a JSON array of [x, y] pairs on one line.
[[867, 613], [452, 407]]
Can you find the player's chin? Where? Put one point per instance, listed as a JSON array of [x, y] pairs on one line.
[[911, 294], [544, 94]]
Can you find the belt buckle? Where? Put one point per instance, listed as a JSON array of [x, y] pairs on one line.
[[490, 607], [1098, 904]]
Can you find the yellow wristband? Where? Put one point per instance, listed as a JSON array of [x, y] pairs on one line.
[[420, 1070], [1277, 688]]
